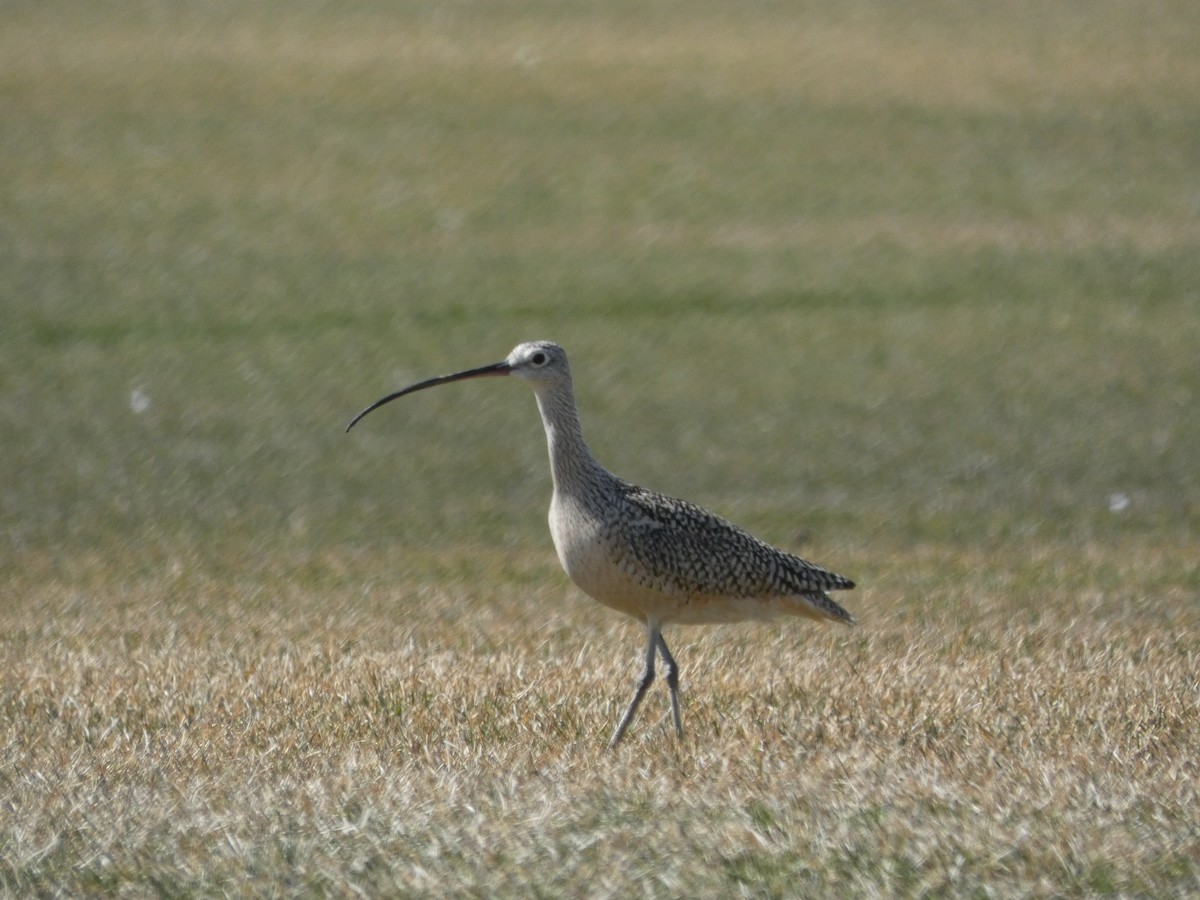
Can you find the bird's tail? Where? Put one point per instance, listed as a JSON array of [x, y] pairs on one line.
[[819, 605]]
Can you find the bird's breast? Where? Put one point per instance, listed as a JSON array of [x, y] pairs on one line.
[[584, 542]]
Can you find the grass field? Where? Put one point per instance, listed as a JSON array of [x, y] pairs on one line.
[[912, 289]]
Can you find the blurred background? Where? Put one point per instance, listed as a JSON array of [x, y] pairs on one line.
[[860, 274]]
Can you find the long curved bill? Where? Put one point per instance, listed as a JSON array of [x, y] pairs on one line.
[[500, 368]]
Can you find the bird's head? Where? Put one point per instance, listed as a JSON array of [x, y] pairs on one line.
[[539, 362]]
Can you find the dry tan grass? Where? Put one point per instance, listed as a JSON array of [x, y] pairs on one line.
[[986, 730]]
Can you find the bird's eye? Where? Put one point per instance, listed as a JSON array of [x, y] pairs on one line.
[[538, 359]]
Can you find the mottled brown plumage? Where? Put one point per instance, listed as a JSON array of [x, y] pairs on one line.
[[653, 557]]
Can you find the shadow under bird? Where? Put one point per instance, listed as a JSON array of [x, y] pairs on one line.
[[650, 556]]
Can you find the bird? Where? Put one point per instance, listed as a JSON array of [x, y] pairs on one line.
[[658, 559]]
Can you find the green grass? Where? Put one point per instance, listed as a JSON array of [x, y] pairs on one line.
[[912, 288]]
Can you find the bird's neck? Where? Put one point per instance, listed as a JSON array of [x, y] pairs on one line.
[[571, 462]]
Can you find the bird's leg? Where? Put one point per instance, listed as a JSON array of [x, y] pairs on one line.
[[643, 685], [672, 683]]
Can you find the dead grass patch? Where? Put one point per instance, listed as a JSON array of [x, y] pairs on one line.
[[987, 728]]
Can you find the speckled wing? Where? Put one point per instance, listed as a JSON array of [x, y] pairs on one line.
[[691, 552]]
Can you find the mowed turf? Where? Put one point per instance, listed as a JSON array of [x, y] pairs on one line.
[[911, 290]]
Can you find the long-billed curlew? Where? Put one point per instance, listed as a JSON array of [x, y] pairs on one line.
[[650, 556]]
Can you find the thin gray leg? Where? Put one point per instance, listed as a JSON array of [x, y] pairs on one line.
[[672, 683], [643, 685]]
